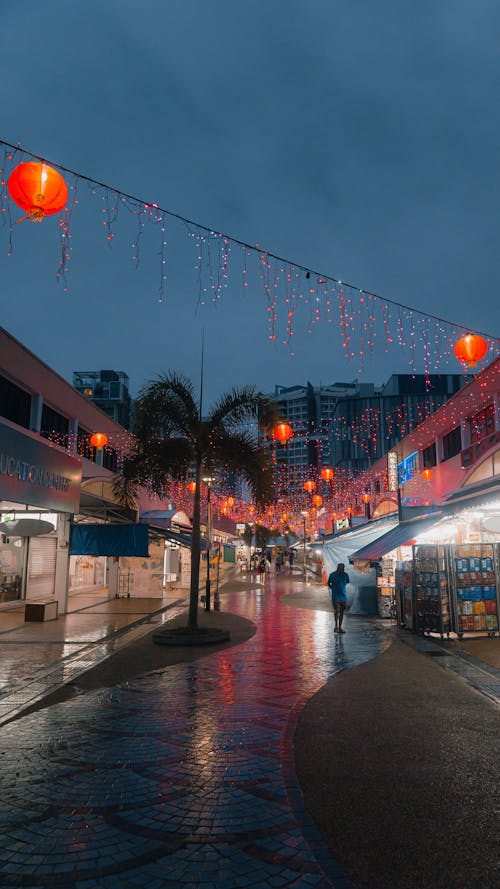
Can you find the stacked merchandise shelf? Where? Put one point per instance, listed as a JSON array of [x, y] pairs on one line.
[[431, 588], [476, 588]]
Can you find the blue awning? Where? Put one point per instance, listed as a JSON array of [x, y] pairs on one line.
[[397, 536], [109, 540]]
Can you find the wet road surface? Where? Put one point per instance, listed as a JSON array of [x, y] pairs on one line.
[[182, 778]]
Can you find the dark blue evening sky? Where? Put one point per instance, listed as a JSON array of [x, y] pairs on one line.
[[358, 138]]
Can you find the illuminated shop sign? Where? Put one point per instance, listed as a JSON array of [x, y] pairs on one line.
[[31, 472], [407, 468], [392, 471]]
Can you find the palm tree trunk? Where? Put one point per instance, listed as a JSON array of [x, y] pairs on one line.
[[195, 554]]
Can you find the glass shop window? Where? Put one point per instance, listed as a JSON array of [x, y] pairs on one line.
[[452, 444]]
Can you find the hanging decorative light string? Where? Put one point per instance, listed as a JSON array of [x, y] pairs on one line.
[[295, 284]]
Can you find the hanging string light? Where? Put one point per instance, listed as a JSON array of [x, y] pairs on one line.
[[366, 321]]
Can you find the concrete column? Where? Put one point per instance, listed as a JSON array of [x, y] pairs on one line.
[[465, 433], [496, 405], [36, 412], [439, 449], [73, 436], [62, 562]]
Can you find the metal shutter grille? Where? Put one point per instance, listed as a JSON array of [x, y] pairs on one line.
[[41, 567]]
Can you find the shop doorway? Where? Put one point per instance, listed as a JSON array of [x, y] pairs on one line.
[[86, 573]]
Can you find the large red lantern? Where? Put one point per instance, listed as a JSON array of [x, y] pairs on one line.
[[470, 349], [282, 432], [38, 189], [327, 474], [309, 486], [99, 440], [317, 500]]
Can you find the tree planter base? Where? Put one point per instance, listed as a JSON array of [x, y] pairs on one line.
[[185, 636]]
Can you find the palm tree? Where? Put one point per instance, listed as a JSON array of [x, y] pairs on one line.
[[172, 438]]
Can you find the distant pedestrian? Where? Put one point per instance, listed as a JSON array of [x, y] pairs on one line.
[[279, 562], [291, 559], [337, 584]]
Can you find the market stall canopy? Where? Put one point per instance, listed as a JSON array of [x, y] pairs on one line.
[[109, 540], [98, 501], [363, 590], [474, 495], [401, 534]]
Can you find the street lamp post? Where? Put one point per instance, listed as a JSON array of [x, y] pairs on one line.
[[304, 516], [208, 482]]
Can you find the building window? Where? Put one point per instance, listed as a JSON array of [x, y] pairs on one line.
[[15, 403], [429, 456], [54, 426], [482, 424], [452, 444]]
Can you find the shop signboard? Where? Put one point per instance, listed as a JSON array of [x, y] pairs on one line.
[[33, 473], [392, 471], [407, 468]]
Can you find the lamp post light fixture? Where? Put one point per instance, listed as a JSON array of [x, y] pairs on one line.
[[208, 481], [304, 514]]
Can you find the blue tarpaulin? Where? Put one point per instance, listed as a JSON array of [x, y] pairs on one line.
[[109, 540]]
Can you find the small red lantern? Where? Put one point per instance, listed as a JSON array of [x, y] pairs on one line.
[[327, 474], [251, 510], [427, 474], [38, 189], [192, 487], [282, 432], [470, 349], [317, 500], [230, 501], [366, 498], [284, 517], [99, 440], [309, 486]]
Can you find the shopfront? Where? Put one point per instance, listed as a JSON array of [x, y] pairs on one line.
[[446, 577], [39, 493]]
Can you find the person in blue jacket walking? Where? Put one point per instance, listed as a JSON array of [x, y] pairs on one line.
[[337, 583]]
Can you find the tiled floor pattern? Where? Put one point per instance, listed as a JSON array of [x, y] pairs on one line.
[[183, 778], [38, 658]]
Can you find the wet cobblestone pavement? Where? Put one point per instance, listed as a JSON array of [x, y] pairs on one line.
[[181, 778]]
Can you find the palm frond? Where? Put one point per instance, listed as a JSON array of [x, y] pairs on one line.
[[166, 407], [239, 453], [234, 408]]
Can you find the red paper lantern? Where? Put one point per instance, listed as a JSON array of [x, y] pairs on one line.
[[427, 474], [327, 474], [309, 486], [251, 510], [192, 487], [470, 349], [366, 498], [99, 440], [230, 501], [38, 189], [282, 432], [317, 500]]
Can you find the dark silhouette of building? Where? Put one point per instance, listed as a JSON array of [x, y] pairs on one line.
[[349, 425], [109, 390]]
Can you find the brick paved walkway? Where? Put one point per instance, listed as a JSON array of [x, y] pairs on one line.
[[181, 778]]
